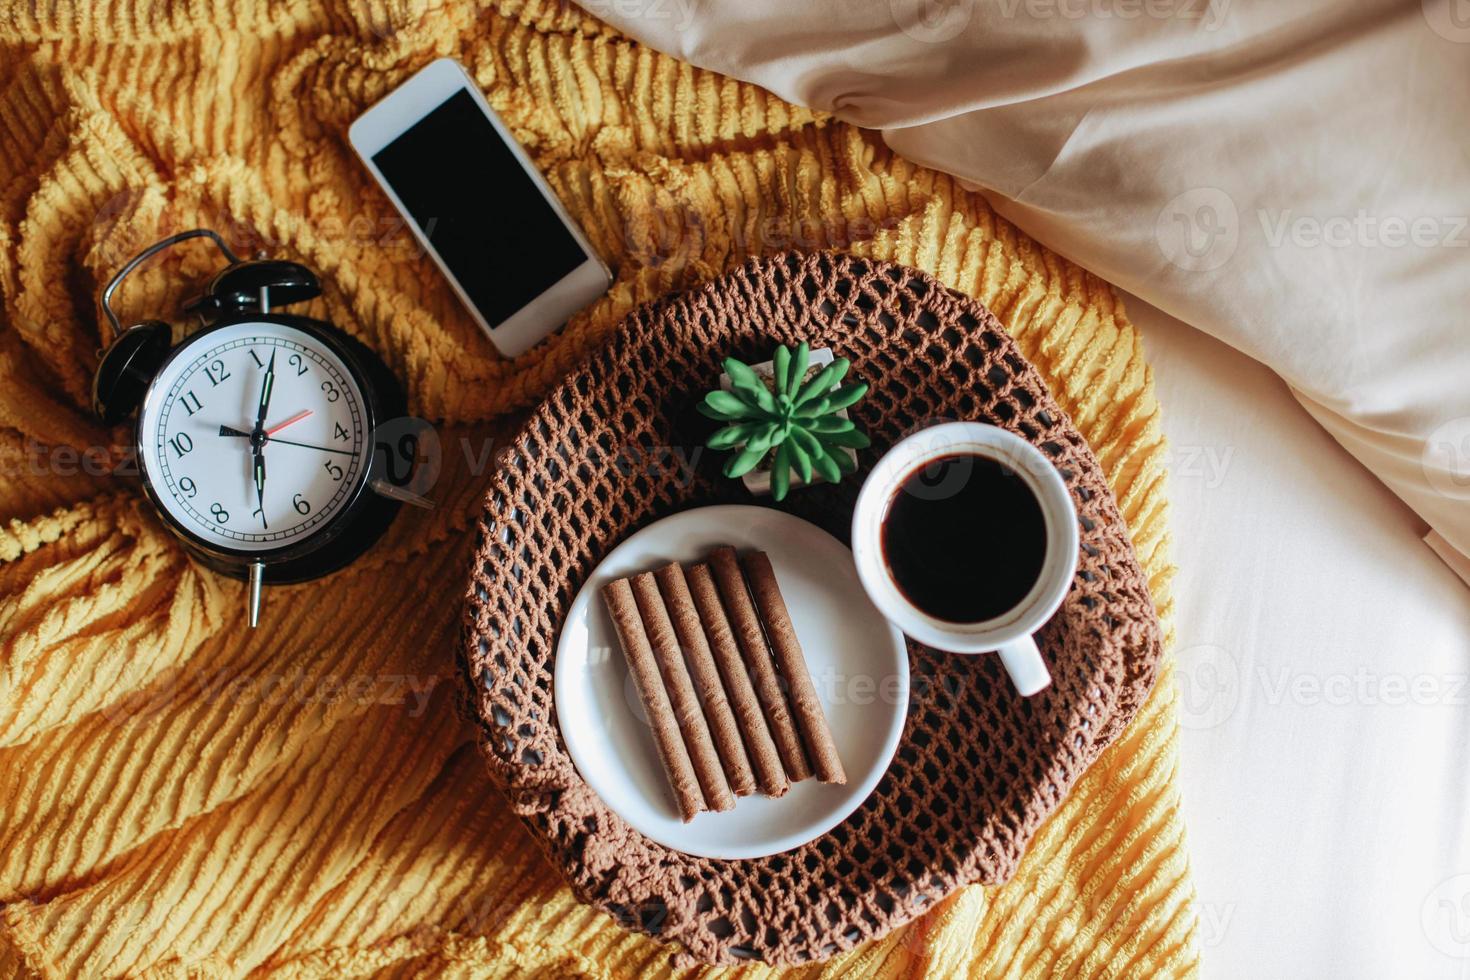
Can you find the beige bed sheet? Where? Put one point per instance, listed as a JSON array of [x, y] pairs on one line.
[[1291, 177]]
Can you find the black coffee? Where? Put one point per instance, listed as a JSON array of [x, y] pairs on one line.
[[964, 538]]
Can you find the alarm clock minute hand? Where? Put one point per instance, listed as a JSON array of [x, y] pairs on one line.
[[266, 384]]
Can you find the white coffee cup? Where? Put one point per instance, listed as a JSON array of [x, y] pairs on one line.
[[1009, 633]]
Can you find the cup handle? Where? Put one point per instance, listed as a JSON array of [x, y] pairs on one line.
[[1022, 661]]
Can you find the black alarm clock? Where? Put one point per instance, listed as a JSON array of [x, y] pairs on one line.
[[258, 435]]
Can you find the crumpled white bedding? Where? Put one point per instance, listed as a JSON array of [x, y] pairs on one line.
[[1324, 662], [1292, 177]]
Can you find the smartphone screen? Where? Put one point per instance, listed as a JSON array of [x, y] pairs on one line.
[[484, 215]]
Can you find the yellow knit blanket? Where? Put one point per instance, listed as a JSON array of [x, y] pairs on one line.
[[180, 796]]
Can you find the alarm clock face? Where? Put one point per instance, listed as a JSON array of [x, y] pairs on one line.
[[238, 482]]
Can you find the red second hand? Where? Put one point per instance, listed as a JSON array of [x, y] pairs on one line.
[[295, 418]]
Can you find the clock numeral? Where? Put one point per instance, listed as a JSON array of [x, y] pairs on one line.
[[190, 490], [341, 432], [258, 362], [181, 444], [302, 505], [219, 513], [191, 402], [332, 393], [215, 372], [333, 469], [297, 362]]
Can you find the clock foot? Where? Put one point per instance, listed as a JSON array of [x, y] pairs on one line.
[[257, 575]]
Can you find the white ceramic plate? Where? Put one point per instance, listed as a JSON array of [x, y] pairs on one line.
[[856, 658]]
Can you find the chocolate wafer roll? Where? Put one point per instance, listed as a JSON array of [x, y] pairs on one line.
[[805, 704], [706, 675], [747, 709], [624, 609], [680, 688], [747, 625]]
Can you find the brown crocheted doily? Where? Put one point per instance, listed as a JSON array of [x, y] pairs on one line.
[[978, 769]]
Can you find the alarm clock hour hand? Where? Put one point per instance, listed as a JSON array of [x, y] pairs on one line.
[[257, 446], [259, 457]]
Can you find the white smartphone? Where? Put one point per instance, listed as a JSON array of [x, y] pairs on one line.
[[476, 202]]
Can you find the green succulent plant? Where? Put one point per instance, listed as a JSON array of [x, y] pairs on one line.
[[791, 417]]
